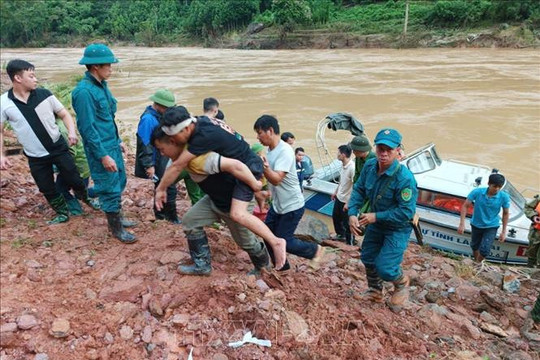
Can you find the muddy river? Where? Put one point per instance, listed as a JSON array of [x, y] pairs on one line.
[[480, 106]]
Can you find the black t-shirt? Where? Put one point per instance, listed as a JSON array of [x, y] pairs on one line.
[[218, 136]]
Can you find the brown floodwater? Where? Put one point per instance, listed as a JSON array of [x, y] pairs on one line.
[[477, 105]]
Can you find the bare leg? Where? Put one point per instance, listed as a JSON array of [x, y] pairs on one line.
[[241, 215]]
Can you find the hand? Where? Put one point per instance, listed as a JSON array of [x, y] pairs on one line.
[[367, 218], [150, 172], [4, 162], [345, 208], [266, 165], [502, 236], [461, 228], [354, 225], [333, 197], [160, 198], [73, 139], [124, 148], [109, 164]]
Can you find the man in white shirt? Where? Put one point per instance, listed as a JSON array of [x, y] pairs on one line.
[[342, 195], [287, 199]]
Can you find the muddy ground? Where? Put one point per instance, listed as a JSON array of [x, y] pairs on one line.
[[71, 291]]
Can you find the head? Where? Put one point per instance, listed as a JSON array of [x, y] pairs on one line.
[[267, 129], [495, 183], [210, 106], [388, 142], [163, 99], [178, 123], [22, 74], [344, 153], [299, 153], [98, 59], [288, 137], [360, 146], [164, 144]]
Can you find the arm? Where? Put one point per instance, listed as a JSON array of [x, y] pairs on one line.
[[464, 209], [82, 104], [240, 171], [4, 161], [530, 208], [144, 132], [505, 217], [70, 126], [169, 177], [274, 177]]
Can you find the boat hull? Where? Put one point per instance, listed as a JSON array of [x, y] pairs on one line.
[[437, 235]]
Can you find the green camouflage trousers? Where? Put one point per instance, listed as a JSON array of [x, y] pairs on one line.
[[535, 313], [533, 253]]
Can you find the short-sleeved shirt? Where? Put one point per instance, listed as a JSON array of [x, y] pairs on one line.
[[346, 176], [287, 196], [359, 164], [487, 208], [34, 122]]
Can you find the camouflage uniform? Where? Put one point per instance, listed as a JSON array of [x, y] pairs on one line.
[[533, 253]]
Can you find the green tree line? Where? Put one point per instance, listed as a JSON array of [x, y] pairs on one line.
[[36, 23]]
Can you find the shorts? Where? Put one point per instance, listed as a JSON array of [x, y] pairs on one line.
[[482, 239], [241, 190]]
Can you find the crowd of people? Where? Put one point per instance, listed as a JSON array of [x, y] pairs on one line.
[[224, 177]]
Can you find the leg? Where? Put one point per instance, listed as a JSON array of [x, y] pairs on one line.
[[533, 252], [69, 175], [336, 218], [42, 172], [488, 236], [476, 240], [240, 214], [371, 247]]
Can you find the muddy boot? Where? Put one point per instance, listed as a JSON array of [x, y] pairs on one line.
[[115, 225], [261, 260], [125, 222], [374, 292], [200, 254], [401, 293], [93, 203], [74, 207], [60, 206], [170, 214]]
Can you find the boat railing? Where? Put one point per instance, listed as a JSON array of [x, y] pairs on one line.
[[470, 164], [325, 158]]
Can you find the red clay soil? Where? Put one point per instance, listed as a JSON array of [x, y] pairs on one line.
[[71, 291]]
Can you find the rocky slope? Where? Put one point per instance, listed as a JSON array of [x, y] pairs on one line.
[[71, 291]]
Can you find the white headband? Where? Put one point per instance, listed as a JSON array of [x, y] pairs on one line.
[[175, 129]]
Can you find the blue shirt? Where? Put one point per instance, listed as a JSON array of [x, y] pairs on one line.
[[487, 208], [392, 194]]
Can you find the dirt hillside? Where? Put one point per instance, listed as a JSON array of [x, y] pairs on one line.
[[71, 291]]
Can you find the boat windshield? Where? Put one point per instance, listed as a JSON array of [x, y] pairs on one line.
[[423, 161], [517, 201]]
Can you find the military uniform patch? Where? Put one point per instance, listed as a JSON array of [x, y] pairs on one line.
[[406, 194]]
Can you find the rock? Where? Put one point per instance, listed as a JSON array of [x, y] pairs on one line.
[[493, 278], [33, 264], [494, 300], [433, 296], [8, 327], [154, 307], [146, 334], [92, 354], [311, 228], [265, 305], [172, 257], [60, 328], [275, 294], [126, 332], [241, 297], [297, 326], [108, 337], [263, 287], [493, 329], [254, 28], [90, 294], [471, 330], [511, 283], [517, 355], [123, 290], [487, 317], [41, 356], [25, 322], [180, 319]]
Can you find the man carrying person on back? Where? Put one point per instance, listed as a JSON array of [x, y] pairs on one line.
[[31, 112]]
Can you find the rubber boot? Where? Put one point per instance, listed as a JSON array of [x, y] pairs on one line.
[[375, 286], [169, 213], [74, 207], [200, 254], [93, 203], [115, 225], [261, 260], [401, 293], [125, 222], [60, 206]]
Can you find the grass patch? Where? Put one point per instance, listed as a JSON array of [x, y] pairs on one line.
[[464, 271], [20, 242]]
